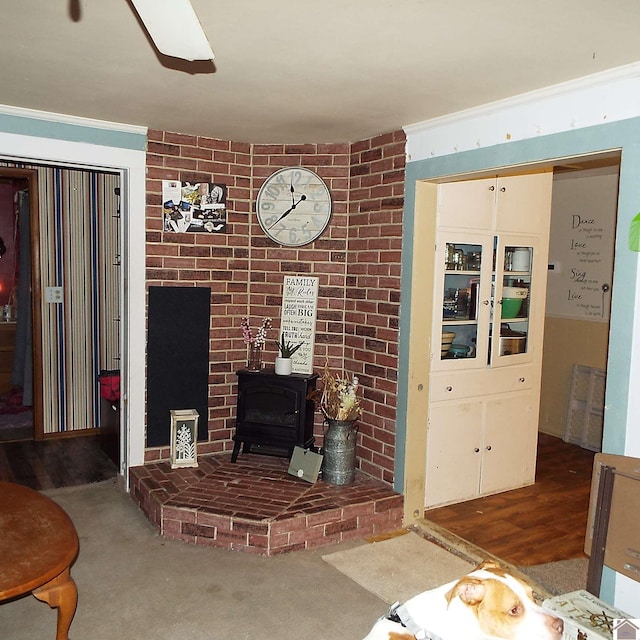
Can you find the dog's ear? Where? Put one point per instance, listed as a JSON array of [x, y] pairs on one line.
[[492, 566], [470, 590]]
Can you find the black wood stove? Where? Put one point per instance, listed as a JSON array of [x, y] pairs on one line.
[[274, 413]]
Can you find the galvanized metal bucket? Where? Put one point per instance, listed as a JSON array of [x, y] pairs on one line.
[[339, 461]]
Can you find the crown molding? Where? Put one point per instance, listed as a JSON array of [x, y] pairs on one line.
[[78, 121], [606, 96]]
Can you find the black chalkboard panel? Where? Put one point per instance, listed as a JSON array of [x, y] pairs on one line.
[[177, 358]]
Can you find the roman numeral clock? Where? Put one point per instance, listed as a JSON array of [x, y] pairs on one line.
[[293, 206]]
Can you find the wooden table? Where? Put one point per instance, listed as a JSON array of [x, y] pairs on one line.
[[38, 544]]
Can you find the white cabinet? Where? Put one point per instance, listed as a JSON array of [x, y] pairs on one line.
[[480, 445], [509, 203], [486, 340]]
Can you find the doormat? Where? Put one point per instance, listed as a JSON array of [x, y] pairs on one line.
[[399, 568]]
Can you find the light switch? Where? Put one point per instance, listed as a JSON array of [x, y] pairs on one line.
[[53, 295]]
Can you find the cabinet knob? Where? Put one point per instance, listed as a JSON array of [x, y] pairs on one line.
[[476, 450], [485, 302], [488, 448], [522, 379], [492, 188], [449, 388], [503, 189]]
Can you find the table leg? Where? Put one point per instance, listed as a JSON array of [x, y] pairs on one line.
[[60, 593]]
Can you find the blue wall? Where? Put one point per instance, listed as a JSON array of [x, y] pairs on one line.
[[72, 132]]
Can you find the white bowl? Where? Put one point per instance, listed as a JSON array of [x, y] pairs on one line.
[[515, 292]]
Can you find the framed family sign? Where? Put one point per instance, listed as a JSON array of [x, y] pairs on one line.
[[298, 319]]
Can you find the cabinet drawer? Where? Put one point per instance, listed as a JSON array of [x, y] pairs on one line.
[[451, 386]]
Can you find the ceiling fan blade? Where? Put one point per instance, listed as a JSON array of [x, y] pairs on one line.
[[174, 28]]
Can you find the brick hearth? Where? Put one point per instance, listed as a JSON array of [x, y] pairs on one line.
[[255, 506]]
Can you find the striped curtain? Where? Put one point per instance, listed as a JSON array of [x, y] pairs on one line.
[[79, 227]]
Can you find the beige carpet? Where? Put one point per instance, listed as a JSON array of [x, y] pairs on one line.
[[399, 568], [134, 585], [560, 577]]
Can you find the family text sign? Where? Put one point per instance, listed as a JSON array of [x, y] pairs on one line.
[[298, 321]]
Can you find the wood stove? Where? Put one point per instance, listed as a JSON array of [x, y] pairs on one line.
[[274, 412]]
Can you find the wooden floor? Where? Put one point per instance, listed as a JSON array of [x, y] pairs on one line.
[[542, 523], [50, 464]]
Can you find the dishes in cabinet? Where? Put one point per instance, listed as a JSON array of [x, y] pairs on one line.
[[511, 342], [459, 350], [456, 304], [447, 341], [463, 258], [517, 259], [515, 292], [512, 299], [521, 259]]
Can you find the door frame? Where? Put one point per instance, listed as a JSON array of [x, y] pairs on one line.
[[95, 145], [422, 177]]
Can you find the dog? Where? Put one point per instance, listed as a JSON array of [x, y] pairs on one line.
[[486, 604]]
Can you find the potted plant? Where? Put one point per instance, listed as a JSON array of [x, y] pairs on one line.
[[286, 349], [340, 405]]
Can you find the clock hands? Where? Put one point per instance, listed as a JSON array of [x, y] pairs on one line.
[[290, 209]]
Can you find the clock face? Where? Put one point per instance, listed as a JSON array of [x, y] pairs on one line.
[[293, 206]]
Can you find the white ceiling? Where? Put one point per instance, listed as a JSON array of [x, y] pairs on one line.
[[292, 71]]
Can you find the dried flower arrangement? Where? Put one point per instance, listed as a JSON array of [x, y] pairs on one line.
[[339, 399], [260, 338]]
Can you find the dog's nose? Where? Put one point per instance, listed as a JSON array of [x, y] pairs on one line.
[[558, 625]]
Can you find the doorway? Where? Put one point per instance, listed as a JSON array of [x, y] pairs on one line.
[[575, 333], [76, 291], [20, 380], [579, 289]]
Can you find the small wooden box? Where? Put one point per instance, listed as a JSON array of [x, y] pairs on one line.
[[585, 616]]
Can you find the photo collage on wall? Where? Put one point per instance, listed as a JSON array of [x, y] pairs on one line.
[[189, 208]]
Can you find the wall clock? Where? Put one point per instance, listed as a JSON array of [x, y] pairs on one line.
[[293, 206]]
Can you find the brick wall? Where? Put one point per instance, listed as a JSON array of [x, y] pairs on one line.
[[373, 292], [357, 261]]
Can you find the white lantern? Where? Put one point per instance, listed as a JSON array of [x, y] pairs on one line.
[[184, 438]]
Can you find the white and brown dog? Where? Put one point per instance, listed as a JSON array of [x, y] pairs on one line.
[[486, 604]]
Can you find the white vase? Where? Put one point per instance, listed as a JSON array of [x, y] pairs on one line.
[[283, 366]]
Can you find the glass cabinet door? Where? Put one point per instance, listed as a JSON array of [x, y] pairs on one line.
[[460, 327], [487, 284], [513, 285]]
